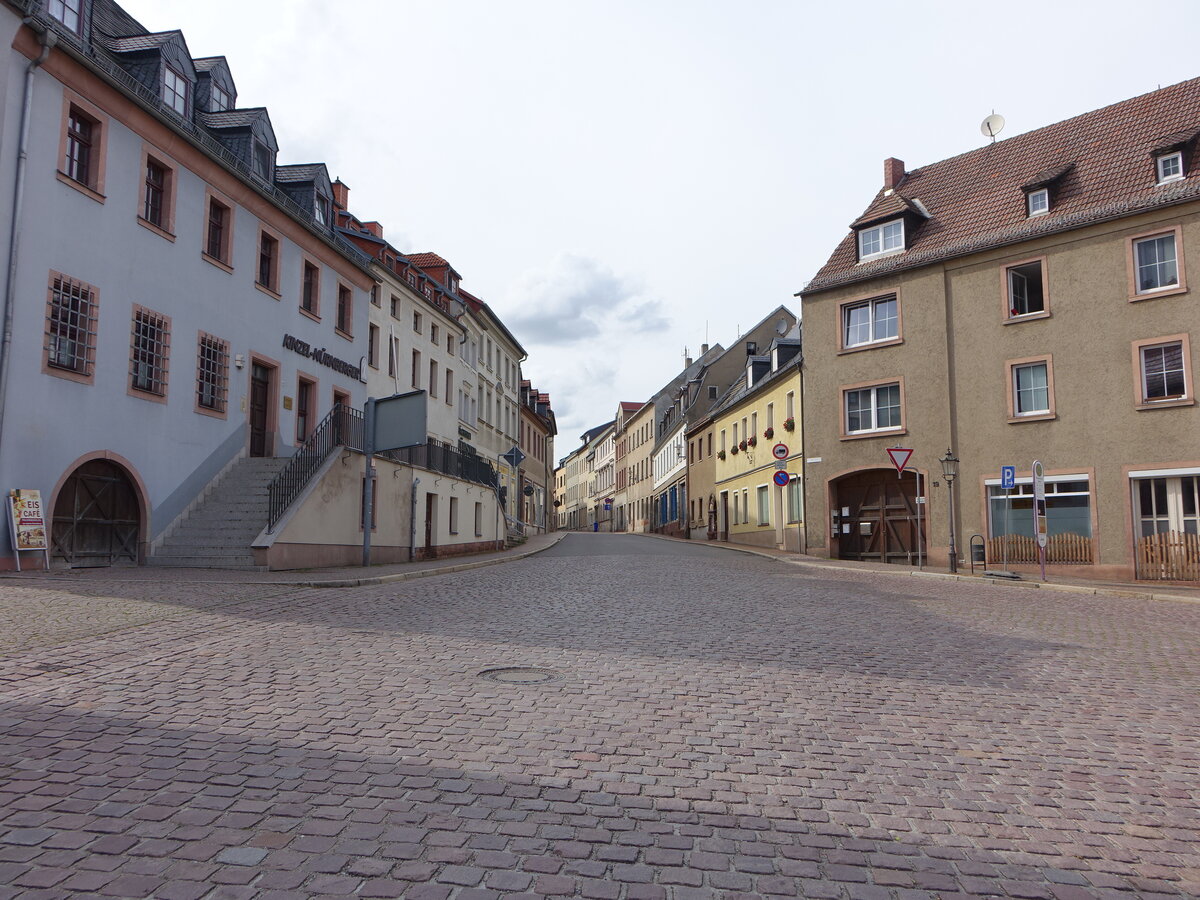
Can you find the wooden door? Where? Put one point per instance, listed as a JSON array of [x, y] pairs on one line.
[[97, 517], [875, 517], [260, 398], [430, 516]]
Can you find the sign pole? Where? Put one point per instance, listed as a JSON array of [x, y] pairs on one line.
[[368, 477], [920, 543], [1040, 530]]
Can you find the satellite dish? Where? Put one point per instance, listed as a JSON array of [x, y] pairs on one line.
[[781, 327], [992, 126]]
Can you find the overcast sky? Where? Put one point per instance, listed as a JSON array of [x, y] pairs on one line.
[[624, 179]]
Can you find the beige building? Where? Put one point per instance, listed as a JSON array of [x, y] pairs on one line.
[[639, 438], [1025, 301]]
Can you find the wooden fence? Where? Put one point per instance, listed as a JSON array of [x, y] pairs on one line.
[[1169, 556], [1061, 550]]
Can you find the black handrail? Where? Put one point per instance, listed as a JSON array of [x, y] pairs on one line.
[[341, 428]]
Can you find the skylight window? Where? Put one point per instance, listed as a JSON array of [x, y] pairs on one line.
[[885, 238], [1170, 167]]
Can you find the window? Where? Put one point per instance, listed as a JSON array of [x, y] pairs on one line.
[[345, 310], [450, 344], [321, 210], [155, 203], [795, 499], [712, 392], [395, 307], [885, 238], [305, 390], [1155, 260], [875, 408], [745, 506], [375, 295], [869, 322], [175, 90], [1168, 504], [81, 162], [1037, 203], [790, 405], [310, 290], [416, 369], [373, 346], [417, 322], [262, 160], [1026, 290], [219, 99], [1030, 389], [217, 234], [149, 351], [478, 520], [268, 262], [393, 355], [1068, 507], [454, 515], [449, 393], [212, 374], [71, 328], [764, 505], [1162, 368], [67, 12], [434, 333], [433, 378], [1169, 167], [770, 415]]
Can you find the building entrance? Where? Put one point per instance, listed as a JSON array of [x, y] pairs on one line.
[[260, 405], [874, 517], [97, 518]]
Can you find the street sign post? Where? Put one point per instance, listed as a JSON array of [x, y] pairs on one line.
[[1008, 480], [900, 457], [1039, 513], [780, 451]]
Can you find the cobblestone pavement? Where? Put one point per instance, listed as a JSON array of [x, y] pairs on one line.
[[722, 726]]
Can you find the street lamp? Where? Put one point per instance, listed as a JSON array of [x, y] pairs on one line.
[[950, 472]]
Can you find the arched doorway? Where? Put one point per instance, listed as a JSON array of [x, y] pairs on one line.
[[875, 517], [97, 517]]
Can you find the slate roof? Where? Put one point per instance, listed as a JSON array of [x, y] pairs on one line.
[[138, 43], [975, 201], [300, 174], [208, 63], [233, 118]]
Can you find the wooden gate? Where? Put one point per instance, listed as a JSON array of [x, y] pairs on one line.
[[1168, 556], [875, 517], [97, 518]]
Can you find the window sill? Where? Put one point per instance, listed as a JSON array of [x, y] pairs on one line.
[[80, 186], [273, 294], [884, 255], [68, 374], [870, 345], [860, 435], [1160, 292], [1166, 404], [211, 413], [309, 314], [161, 232], [343, 334], [1033, 417], [212, 260], [146, 395], [1028, 317]]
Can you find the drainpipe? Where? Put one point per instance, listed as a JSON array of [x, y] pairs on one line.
[[47, 39]]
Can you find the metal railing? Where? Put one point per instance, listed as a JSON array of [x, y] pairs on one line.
[[343, 427]]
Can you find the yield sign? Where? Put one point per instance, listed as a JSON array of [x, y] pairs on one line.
[[900, 457]]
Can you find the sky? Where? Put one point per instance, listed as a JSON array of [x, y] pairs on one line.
[[623, 181]]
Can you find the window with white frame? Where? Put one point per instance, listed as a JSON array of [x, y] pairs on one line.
[[885, 238], [1168, 504], [872, 408], [1037, 203], [764, 505], [870, 321], [1163, 374], [1157, 264], [1169, 167], [1031, 389], [795, 500], [1068, 507], [175, 90], [1026, 289]]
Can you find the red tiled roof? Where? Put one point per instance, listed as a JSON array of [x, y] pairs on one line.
[[427, 260], [975, 201]]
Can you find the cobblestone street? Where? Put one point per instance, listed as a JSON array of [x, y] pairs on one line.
[[720, 725]]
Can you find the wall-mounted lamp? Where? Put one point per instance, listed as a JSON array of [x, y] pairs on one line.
[[239, 360]]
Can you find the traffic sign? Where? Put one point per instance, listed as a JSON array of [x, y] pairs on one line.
[[780, 451], [782, 478], [1008, 477], [1039, 504], [900, 457], [514, 457], [781, 463]]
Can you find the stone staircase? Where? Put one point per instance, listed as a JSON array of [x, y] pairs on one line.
[[217, 534]]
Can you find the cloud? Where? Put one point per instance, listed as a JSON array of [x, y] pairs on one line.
[[576, 298]]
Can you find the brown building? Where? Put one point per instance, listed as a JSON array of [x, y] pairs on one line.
[[537, 429], [1025, 301]]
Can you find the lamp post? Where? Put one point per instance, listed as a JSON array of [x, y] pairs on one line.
[[950, 472]]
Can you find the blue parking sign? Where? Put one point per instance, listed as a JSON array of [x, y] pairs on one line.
[[1008, 477]]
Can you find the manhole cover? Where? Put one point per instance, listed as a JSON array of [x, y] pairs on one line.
[[520, 675]]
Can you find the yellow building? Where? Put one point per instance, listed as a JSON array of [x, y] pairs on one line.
[[762, 412]]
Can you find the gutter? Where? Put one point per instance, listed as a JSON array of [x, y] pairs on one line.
[[47, 39]]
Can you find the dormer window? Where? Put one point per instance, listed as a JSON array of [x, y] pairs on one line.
[[67, 12], [1169, 167], [175, 90], [262, 160], [219, 101], [885, 238], [452, 283], [321, 210], [1037, 203]]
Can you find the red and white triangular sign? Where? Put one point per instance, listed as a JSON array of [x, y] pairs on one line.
[[900, 456]]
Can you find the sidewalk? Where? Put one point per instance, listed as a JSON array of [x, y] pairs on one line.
[[1144, 590], [348, 576]]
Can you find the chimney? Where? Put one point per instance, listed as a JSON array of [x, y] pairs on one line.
[[374, 228], [703, 349], [893, 172], [341, 195], [687, 362]]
